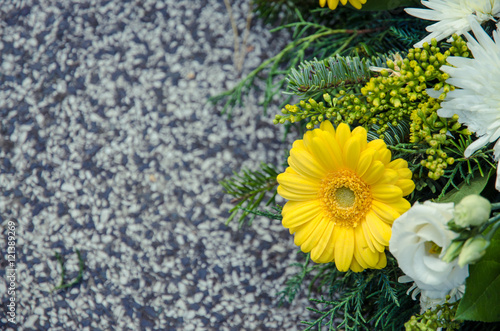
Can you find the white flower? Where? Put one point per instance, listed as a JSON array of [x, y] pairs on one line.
[[476, 100], [452, 16], [419, 238]]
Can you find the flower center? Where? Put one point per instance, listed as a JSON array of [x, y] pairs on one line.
[[432, 248], [345, 197]]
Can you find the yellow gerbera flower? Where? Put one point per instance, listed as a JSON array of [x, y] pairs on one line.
[[344, 194], [332, 4]]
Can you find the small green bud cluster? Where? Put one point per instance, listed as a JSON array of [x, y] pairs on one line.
[[442, 316], [314, 112], [428, 128], [459, 47]]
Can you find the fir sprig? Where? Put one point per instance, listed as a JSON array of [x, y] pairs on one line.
[[314, 78], [249, 189]]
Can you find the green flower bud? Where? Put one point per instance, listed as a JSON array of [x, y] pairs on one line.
[[473, 250], [452, 251], [327, 97], [473, 210], [312, 102]]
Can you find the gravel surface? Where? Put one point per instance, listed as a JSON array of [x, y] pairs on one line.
[[108, 146]]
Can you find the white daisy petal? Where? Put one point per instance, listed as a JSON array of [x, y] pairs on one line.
[[476, 100], [454, 16]]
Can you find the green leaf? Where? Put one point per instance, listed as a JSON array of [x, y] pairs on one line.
[[475, 186], [480, 301]]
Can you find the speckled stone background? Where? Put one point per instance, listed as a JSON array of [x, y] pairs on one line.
[[108, 145]]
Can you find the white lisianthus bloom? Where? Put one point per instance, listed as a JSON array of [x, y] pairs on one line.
[[419, 238], [476, 100], [452, 16]]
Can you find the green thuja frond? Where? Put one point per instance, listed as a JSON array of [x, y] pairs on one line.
[[370, 300], [314, 78], [294, 283], [249, 189]]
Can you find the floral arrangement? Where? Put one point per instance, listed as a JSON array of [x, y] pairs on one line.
[[391, 189]]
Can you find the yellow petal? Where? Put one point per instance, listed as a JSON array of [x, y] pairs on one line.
[[363, 136], [323, 251], [365, 160], [387, 211], [397, 164], [322, 3], [308, 139], [302, 162], [355, 3], [298, 184], [374, 174], [304, 231], [377, 144], [295, 196], [327, 126], [315, 237], [407, 185], [386, 192], [343, 134], [352, 151], [405, 173], [382, 263], [300, 212], [355, 267], [370, 239], [344, 248], [320, 150], [384, 154], [390, 176], [333, 148], [290, 205], [366, 257], [299, 144], [401, 206], [332, 4], [380, 230]]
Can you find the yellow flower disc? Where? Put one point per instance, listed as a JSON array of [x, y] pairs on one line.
[[344, 194]]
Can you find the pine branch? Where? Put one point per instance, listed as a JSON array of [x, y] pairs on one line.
[[314, 78], [249, 190]]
